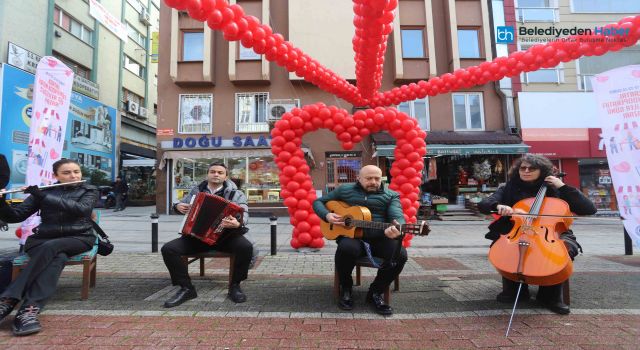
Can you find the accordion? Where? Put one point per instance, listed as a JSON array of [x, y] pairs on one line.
[[205, 215]]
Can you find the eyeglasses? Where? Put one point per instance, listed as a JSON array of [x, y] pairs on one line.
[[528, 168]]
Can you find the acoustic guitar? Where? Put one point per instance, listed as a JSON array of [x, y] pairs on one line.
[[357, 218]]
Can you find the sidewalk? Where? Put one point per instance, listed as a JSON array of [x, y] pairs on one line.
[[446, 297]]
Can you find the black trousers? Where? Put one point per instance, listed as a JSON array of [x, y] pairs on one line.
[[37, 282], [234, 243], [349, 250]]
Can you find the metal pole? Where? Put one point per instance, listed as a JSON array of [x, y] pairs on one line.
[[274, 228], [628, 244], [154, 232]]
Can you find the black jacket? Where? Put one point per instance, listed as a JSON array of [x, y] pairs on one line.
[[5, 172], [516, 190], [65, 211]]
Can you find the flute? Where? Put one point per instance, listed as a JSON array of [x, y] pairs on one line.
[[41, 187]]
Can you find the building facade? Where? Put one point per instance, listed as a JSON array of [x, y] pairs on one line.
[[112, 119], [556, 107], [218, 96]]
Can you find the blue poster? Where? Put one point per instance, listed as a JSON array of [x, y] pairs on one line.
[[90, 135]]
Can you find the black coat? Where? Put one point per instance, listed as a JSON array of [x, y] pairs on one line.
[[516, 190], [65, 211], [5, 172]]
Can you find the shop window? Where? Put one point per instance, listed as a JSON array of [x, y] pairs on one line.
[[417, 109], [263, 182], [596, 184], [251, 112], [192, 46], [468, 43], [412, 43], [341, 171], [468, 111], [195, 113]]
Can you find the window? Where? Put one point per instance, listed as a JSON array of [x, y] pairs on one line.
[[75, 67], [77, 29], [600, 6], [251, 112], [246, 53], [128, 96], [412, 43], [537, 10], [133, 66], [468, 111], [136, 35], [468, 43], [417, 109], [192, 46], [592, 65], [195, 113], [543, 75]]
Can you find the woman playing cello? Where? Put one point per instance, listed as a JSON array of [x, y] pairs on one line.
[[526, 176]]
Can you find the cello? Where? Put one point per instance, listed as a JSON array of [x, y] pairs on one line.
[[532, 252]]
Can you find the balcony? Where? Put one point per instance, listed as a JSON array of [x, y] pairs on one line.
[[584, 82], [538, 14], [544, 75]]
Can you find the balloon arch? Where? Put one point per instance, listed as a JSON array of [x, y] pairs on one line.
[[373, 21]]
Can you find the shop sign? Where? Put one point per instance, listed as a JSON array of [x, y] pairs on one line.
[[216, 142], [26, 60], [343, 154], [164, 132]]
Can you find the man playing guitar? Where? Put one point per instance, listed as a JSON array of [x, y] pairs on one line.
[[385, 206]]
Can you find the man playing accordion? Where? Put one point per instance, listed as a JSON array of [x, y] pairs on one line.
[[232, 239]]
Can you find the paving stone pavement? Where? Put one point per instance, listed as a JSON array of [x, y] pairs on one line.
[[446, 298]]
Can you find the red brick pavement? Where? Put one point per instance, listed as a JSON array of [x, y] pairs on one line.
[[529, 331]]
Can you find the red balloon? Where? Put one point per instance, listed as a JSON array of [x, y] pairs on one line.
[[317, 243], [295, 244], [303, 226], [301, 214]]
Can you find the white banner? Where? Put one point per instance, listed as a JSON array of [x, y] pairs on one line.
[[51, 96], [97, 11], [618, 95]]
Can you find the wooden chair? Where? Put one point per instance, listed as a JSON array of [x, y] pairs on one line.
[[364, 262], [190, 258], [88, 260]]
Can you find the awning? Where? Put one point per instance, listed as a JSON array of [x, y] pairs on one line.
[[221, 153], [463, 150], [138, 162]]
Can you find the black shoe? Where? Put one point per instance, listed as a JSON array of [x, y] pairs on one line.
[[346, 300], [558, 307], [26, 321], [6, 306], [182, 295], [236, 295], [377, 300], [508, 298]]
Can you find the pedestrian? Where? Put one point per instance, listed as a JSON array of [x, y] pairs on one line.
[[384, 205], [120, 189], [526, 176], [233, 239], [65, 230]]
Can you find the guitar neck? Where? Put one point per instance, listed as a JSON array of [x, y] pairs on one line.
[[371, 224]]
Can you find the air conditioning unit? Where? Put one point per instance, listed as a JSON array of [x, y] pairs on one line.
[[133, 107], [143, 113], [144, 17], [279, 107]]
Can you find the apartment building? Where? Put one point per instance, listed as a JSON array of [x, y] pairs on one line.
[[556, 107], [112, 119], [217, 97]]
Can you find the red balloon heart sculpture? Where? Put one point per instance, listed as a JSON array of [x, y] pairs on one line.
[[372, 20]]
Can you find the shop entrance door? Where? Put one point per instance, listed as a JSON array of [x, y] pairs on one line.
[[341, 171]]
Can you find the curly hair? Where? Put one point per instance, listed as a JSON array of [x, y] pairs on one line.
[[538, 161]]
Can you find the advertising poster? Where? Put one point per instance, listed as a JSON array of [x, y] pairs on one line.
[[90, 128]]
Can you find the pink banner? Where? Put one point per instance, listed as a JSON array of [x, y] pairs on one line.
[[51, 95], [618, 94]]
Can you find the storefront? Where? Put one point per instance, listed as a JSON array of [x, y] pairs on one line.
[[249, 160], [579, 153], [457, 168]]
